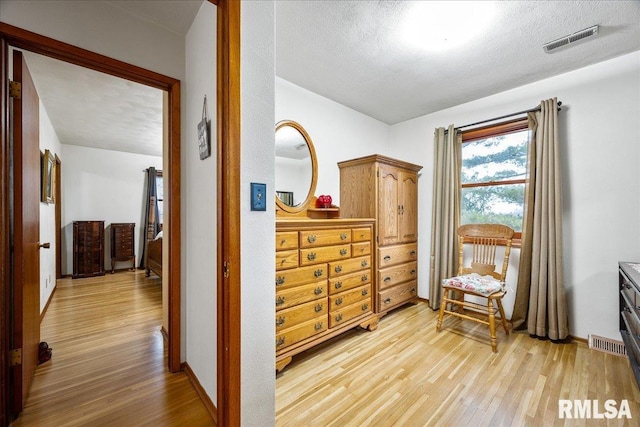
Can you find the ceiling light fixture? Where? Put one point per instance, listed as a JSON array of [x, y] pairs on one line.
[[571, 38], [440, 25]]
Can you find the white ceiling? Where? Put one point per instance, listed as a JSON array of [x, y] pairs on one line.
[[354, 53]]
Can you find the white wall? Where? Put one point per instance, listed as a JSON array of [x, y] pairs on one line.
[[600, 134], [48, 141], [338, 132], [102, 185], [199, 194], [257, 228]]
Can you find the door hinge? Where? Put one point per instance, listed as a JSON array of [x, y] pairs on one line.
[[225, 269], [15, 357], [15, 90]]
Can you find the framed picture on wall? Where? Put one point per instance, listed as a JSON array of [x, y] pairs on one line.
[[48, 165]]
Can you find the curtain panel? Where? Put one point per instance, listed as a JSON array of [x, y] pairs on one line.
[[446, 208], [541, 305], [151, 219]]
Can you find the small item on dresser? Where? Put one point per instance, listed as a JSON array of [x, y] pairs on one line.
[[323, 201]]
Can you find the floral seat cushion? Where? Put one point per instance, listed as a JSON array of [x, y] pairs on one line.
[[474, 283]]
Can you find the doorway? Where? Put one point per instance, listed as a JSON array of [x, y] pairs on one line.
[[24, 40]]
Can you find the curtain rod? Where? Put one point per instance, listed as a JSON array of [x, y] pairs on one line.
[[506, 116]]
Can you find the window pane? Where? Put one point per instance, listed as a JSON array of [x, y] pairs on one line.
[[161, 211], [498, 158], [160, 187], [496, 204]]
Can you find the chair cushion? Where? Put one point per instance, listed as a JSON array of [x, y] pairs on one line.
[[474, 283]]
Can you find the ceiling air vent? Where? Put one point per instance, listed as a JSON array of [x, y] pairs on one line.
[[571, 38]]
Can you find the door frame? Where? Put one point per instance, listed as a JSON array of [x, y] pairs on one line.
[[58, 215], [11, 36]]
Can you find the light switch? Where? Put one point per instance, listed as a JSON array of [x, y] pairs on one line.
[[258, 197]]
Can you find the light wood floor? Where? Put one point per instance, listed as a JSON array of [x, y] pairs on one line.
[[109, 364], [406, 374]]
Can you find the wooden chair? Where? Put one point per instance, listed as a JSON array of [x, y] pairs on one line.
[[481, 279]]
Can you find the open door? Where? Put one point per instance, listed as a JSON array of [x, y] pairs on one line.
[[25, 306]]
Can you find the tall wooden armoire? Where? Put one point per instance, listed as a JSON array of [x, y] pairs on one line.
[[88, 248], [386, 189]]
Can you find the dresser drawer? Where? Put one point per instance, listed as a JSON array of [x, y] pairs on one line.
[[324, 254], [629, 292], [299, 294], [397, 295], [286, 259], [349, 297], [349, 312], [286, 240], [340, 268], [301, 313], [315, 238], [290, 336], [392, 255], [362, 248], [361, 234], [300, 276], [349, 281], [395, 275]]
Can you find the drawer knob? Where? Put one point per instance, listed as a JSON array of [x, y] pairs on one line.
[[338, 301], [627, 309], [364, 278], [279, 280], [413, 290], [280, 342], [627, 285], [318, 308], [311, 238], [283, 241], [343, 236], [279, 300], [343, 252], [317, 291], [387, 258], [365, 307], [387, 301], [387, 279], [413, 272], [364, 263], [318, 272], [339, 317], [365, 292], [338, 268], [338, 285], [311, 256], [412, 253], [318, 326], [280, 321]]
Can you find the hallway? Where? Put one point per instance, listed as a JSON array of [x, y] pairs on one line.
[[109, 361]]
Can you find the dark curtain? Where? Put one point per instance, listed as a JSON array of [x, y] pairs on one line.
[[151, 220]]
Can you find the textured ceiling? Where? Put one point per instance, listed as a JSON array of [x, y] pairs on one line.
[[355, 52], [97, 110]]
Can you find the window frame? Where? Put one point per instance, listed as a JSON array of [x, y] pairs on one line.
[[490, 131]]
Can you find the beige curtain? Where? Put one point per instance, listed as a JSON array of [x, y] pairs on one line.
[[540, 297], [446, 205]]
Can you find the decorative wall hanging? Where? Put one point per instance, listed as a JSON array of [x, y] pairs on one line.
[[48, 165], [204, 134]]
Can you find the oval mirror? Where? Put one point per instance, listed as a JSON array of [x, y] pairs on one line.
[[296, 167]]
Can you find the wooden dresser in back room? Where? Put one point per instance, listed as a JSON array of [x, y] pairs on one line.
[[88, 249], [386, 189]]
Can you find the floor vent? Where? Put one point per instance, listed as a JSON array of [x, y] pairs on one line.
[[571, 38], [607, 345]]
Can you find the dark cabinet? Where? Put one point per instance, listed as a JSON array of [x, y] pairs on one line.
[[88, 248], [122, 244], [629, 286]]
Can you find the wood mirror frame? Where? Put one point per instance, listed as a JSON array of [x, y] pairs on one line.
[[300, 209]]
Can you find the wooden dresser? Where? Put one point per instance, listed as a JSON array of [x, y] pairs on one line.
[[629, 285], [88, 248], [324, 282], [386, 189], [122, 243]]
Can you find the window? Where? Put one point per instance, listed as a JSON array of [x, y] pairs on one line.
[[493, 175], [160, 196]]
